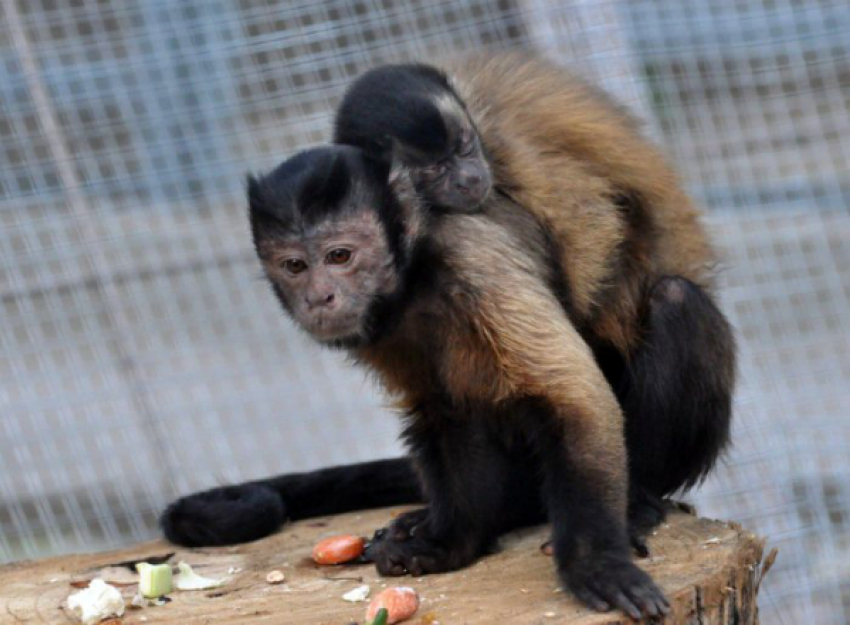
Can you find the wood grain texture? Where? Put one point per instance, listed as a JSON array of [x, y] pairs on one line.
[[710, 571]]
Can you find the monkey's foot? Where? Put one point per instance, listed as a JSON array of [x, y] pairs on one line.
[[608, 581], [407, 546], [418, 556], [638, 542], [646, 512]]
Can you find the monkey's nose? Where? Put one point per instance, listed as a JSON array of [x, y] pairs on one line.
[[468, 183], [320, 299]]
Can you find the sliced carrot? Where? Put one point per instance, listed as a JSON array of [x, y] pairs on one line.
[[338, 549], [401, 603]]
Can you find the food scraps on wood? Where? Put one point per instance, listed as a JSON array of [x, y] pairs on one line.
[[138, 602], [187, 579], [361, 593], [154, 579], [338, 549], [381, 618], [400, 602], [97, 602], [275, 577]]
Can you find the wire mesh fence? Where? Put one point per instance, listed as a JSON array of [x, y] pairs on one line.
[[141, 356]]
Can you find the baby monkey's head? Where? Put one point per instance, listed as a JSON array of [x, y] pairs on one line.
[[409, 116]]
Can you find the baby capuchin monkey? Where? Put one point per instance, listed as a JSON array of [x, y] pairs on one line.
[[509, 420], [636, 265], [408, 114]]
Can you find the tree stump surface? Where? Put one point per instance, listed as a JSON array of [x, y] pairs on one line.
[[709, 570]]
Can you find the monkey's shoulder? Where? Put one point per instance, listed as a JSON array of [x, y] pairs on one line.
[[465, 260]]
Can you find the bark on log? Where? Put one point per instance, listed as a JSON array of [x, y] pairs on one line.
[[710, 570]]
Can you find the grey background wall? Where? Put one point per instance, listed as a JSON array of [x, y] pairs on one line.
[[141, 356]]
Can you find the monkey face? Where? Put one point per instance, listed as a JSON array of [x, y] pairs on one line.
[[328, 230], [329, 277], [460, 179], [460, 183]]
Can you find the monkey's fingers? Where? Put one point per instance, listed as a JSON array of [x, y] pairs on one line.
[[421, 556], [612, 582], [395, 558], [590, 599]]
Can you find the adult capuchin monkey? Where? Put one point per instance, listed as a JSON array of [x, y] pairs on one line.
[[673, 378], [508, 418], [636, 263]]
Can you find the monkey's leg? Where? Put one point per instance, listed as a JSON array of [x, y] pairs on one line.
[[467, 480], [581, 446], [513, 469], [248, 511], [589, 537], [676, 393], [530, 349]]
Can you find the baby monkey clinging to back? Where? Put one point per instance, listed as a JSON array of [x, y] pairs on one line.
[[410, 115]]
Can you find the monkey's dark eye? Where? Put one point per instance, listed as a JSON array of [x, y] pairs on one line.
[[466, 148], [433, 172], [338, 256], [294, 265], [466, 145]]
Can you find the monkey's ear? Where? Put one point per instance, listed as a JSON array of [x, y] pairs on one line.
[[253, 191]]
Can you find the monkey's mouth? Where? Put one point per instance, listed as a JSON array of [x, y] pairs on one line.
[[334, 328], [468, 199]]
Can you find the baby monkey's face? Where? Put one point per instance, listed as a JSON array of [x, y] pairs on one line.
[[461, 181]]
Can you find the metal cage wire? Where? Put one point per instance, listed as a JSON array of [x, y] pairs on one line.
[[141, 356]]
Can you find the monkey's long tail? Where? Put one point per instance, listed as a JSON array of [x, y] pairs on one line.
[[245, 512]]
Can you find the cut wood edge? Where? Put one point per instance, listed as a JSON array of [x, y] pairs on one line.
[[711, 571]]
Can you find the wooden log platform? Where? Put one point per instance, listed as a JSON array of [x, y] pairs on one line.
[[710, 571]]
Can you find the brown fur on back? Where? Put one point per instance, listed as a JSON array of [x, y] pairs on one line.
[[576, 160], [492, 331]]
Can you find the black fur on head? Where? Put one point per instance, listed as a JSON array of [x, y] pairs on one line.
[[322, 182], [305, 189], [396, 104]]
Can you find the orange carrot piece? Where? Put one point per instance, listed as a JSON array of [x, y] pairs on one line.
[[401, 603], [338, 549]]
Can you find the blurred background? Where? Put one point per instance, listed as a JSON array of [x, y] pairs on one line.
[[142, 357]]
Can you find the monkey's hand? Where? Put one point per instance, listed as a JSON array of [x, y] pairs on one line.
[[607, 581], [409, 545]]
